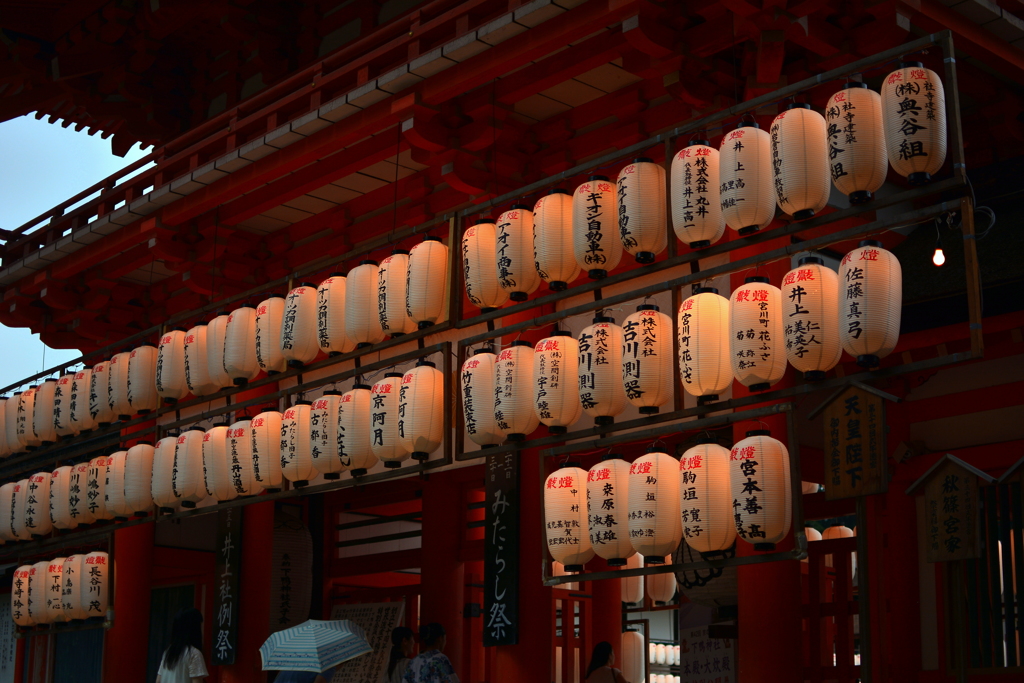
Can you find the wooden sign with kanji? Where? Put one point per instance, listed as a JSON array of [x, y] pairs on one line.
[[855, 455], [951, 515]]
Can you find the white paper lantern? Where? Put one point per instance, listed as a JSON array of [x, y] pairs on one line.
[[702, 328], [745, 176], [72, 577], [138, 477], [197, 373], [142, 395], [565, 517], [61, 411], [608, 510], [384, 403], [113, 487], [37, 593], [870, 302], [8, 511], [296, 452], [95, 488], [421, 410], [362, 321], [479, 254], [170, 366], [26, 418], [914, 119], [11, 435], [477, 381], [354, 430], [800, 161], [323, 435], [642, 207], [517, 274], [838, 531], [5, 448], [216, 469], [661, 588], [697, 196], [705, 498], [95, 592], [653, 653], [810, 310], [633, 586], [187, 475], [558, 569], [299, 328], [634, 650], [514, 415], [330, 316], [54, 582], [595, 227], [761, 489], [600, 370], [19, 495], [99, 395], [78, 405], [241, 470], [647, 358], [162, 487], [78, 494], [216, 332], [392, 281], [555, 398], [265, 442], [269, 321], [427, 290], [655, 526], [856, 143], [659, 656], [20, 596], [240, 362], [37, 505], [42, 415], [117, 392], [756, 346], [552, 240], [60, 499]]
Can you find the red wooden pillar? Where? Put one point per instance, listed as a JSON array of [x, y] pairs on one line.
[[125, 653], [442, 574], [605, 610]]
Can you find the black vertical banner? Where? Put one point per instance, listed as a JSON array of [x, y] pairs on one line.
[[501, 550], [227, 573]]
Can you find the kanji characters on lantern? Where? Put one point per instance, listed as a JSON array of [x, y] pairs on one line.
[[914, 118], [870, 302]]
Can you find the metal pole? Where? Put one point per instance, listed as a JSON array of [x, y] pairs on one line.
[[864, 591]]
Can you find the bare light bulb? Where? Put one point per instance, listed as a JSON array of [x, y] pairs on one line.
[[938, 258]]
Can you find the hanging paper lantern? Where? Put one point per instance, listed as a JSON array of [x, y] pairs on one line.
[[354, 433], [240, 363], [384, 403], [647, 358], [26, 418], [61, 411], [600, 370], [99, 395], [392, 280], [269, 321], [555, 398], [421, 410], [78, 495], [216, 469], [95, 488], [655, 526], [265, 435], [37, 593], [515, 267], [761, 492], [138, 477], [299, 328], [608, 510], [514, 415], [54, 582], [565, 517], [660, 659], [72, 578], [8, 508], [323, 435], [113, 488], [661, 588], [95, 590], [330, 316], [117, 393], [362, 321], [197, 372], [812, 534], [799, 161], [170, 366], [558, 569], [838, 531], [696, 195], [479, 254], [552, 240], [37, 505], [20, 596], [80, 411], [756, 334], [870, 302], [42, 415], [427, 290], [643, 220], [914, 119], [296, 455], [856, 145], [705, 498], [187, 474], [634, 650], [241, 470], [703, 332], [5, 448], [745, 176], [19, 496], [216, 333], [810, 309], [11, 434], [162, 487], [60, 499], [142, 395], [632, 587], [595, 227], [478, 375]]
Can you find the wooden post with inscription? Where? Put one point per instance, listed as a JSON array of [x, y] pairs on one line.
[[855, 454]]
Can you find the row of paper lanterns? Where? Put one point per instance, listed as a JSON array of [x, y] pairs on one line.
[[62, 589]]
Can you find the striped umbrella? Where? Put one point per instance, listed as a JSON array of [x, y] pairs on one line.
[[314, 646]]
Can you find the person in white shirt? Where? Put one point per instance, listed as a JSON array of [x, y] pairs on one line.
[[183, 659]]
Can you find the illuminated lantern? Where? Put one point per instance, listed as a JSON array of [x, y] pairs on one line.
[[330, 316], [479, 254], [54, 582], [162, 487], [914, 119], [655, 526], [565, 517], [362, 322], [72, 577], [60, 499], [81, 413], [632, 587], [642, 207], [5, 448], [142, 394], [187, 474], [42, 412], [421, 410], [756, 334], [138, 477], [812, 534], [113, 489], [600, 370], [514, 415], [78, 495], [216, 333], [269, 321], [426, 293], [20, 596], [61, 411], [870, 303], [552, 240], [856, 144], [838, 531], [634, 651], [477, 382], [659, 657], [26, 418], [265, 442], [95, 584], [117, 392], [702, 328], [392, 276], [8, 509], [99, 395], [647, 358], [558, 569], [759, 472], [555, 398], [697, 195], [608, 510], [354, 433], [299, 327], [800, 161], [385, 442], [661, 588], [745, 177], [595, 227], [325, 447], [517, 274], [170, 366], [215, 463], [810, 308], [197, 373], [296, 453], [705, 498], [240, 363], [95, 488], [37, 505], [37, 593], [241, 467], [13, 438], [18, 498]]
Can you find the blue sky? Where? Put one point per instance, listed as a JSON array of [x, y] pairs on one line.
[[44, 165]]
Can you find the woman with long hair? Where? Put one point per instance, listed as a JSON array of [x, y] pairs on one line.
[[600, 669], [431, 665], [183, 659], [401, 654]]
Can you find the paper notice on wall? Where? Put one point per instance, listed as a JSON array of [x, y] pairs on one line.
[[377, 620], [706, 660]]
